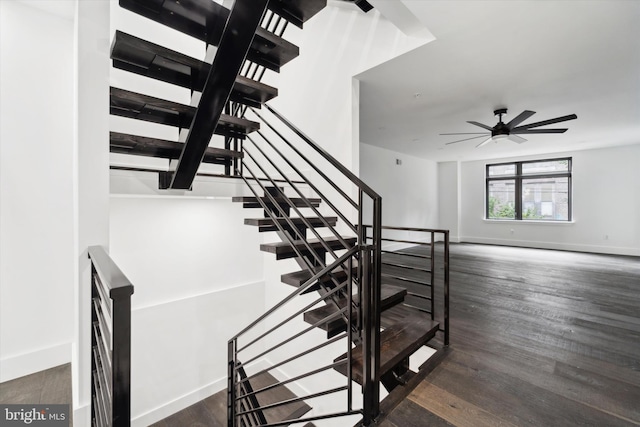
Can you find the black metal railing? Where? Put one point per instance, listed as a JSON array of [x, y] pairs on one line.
[[281, 152], [414, 267], [110, 342]]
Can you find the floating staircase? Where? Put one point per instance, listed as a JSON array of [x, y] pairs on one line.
[[338, 291]]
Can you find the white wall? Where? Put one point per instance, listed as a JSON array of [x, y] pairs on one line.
[[198, 279], [36, 190], [606, 206], [409, 190], [316, 90], [449, 198]]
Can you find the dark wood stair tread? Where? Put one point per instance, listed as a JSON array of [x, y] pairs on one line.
[[389, 296], [397, 342], [284, 250], [252, 202], [205, 20], [299, 278], [268, 224], [135, 105], [142, 57], [297, 11], [123, 143], [277, 394]]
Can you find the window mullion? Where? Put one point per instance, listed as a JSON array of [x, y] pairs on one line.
[[518, 191]]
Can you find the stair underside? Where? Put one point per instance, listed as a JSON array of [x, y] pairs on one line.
[[299, 278], [268, 224], [252, 202], [297, 11], [205, 20], [284, 250], [142, 57], [389, 296], [142, 146], [397, 342], [134, 105]]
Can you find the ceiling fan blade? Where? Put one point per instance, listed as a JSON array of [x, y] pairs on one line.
[[486, 141], [467, 139], [465, 133], [530, 131], [519, 119], [481, 125], [517, 139], [547, 122]]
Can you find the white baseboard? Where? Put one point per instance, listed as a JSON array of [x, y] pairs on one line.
[[182, 402], [612, 250], [178, 404], [82, 416], [35, 361]]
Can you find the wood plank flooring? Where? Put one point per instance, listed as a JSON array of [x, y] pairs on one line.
[[52, 386], [538, 338]]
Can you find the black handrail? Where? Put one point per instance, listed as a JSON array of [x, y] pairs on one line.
[[110, 341], [361, 312]]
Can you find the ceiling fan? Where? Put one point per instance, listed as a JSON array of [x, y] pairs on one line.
[[511, 130]]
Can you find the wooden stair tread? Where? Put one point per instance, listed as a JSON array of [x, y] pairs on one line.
[[135, 105], [263, 222], [268, 224], [205, 20], [277, 394], [297, 11], [142, 57], [298, 278], [284, 250], [123, 143], [397, 342], [389, 296], [252, 202]]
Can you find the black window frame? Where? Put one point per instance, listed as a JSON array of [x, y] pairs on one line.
[[518, 177]]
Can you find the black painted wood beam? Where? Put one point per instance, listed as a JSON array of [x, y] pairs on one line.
[[242, 24]]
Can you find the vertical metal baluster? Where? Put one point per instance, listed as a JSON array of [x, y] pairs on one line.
[[432, 275], [446, 287]]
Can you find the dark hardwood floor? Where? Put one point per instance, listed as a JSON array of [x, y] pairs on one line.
[[538, 338], [52, 386]]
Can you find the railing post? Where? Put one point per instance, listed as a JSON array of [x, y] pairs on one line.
[[121, 411], [231, 384], [446, 287], [370, 397], [432, 275], [371, 274], [111, 366]]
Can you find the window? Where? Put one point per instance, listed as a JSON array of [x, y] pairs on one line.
[[533, 190]]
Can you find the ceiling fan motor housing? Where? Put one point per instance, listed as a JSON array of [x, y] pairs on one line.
[[500, 128]]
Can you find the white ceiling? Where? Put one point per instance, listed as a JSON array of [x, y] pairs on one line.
[[552, 57]]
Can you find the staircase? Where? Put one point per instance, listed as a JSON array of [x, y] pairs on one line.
[[326, 335]]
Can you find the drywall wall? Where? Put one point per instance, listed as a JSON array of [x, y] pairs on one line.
[[449, 198], [408, 186], [198, 278], [318, 91], [36, 190], [606, 203], [91, 166]]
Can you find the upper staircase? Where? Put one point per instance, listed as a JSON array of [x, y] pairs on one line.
[[330, 332]]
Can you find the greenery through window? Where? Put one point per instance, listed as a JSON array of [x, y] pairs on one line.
[[532, 190]]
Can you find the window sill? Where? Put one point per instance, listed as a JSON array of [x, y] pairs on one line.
[[528, 221]]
